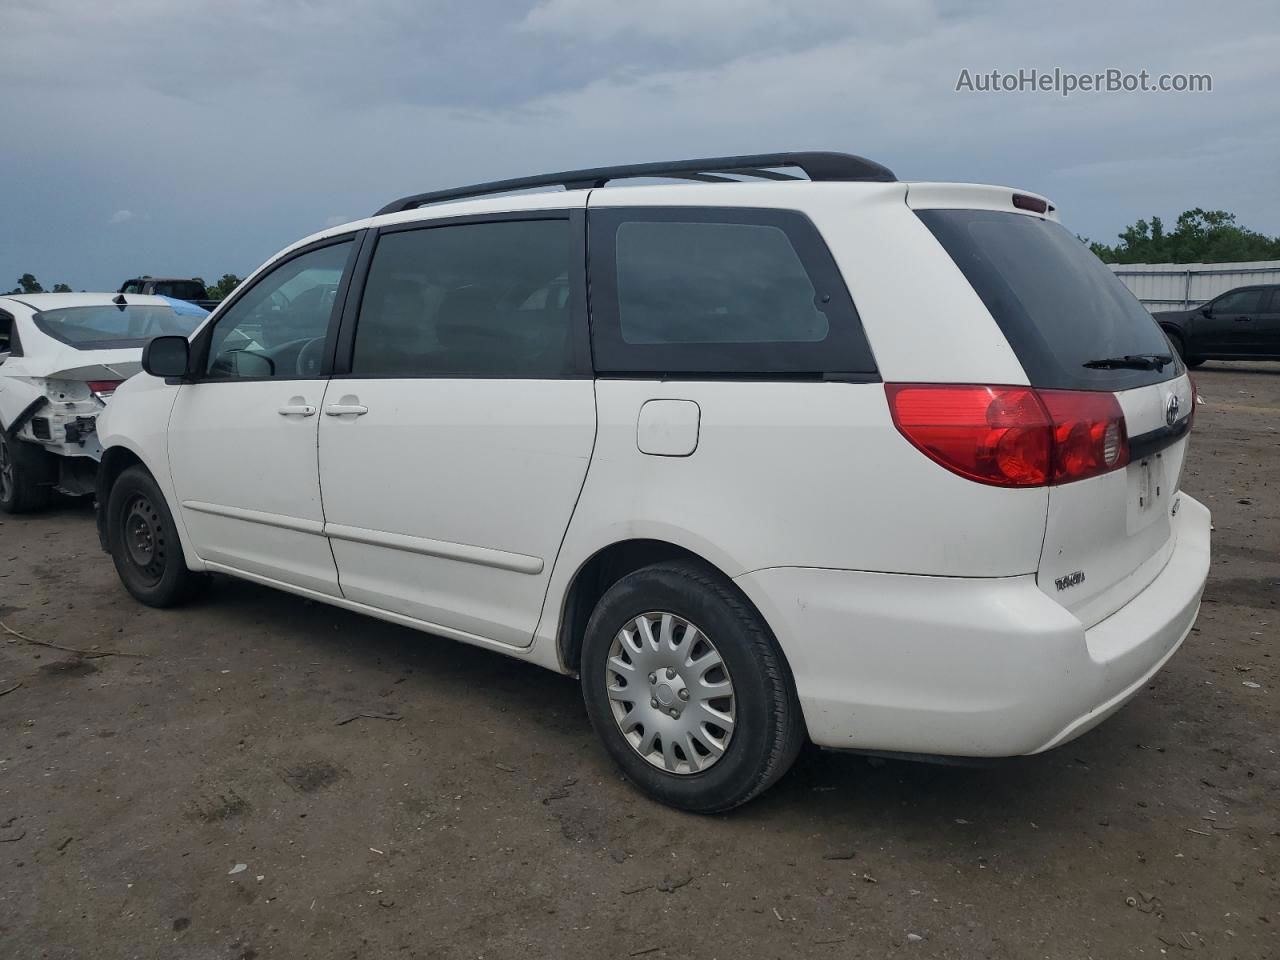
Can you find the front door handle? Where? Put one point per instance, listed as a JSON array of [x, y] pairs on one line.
[[345, 410], [297, 410], [1243, 319]]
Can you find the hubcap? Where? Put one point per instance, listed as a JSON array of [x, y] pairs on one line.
[[670, 693], [143, 537], [6, 470]]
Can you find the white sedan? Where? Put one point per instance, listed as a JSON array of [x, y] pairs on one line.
[[62, 355]]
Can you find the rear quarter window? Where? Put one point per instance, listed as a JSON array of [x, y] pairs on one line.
[[1057, 304], [690, 291]]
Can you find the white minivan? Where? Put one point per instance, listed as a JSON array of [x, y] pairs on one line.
[[793, 451]]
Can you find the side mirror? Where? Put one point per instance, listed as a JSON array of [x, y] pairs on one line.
[[167, 357], [1206, 310]]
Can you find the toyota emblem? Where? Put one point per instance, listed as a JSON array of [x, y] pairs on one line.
[[1171, 411]]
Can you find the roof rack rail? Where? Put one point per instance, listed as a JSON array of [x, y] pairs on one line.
[[816, 166]]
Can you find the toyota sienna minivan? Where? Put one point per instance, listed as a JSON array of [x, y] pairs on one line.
[[791, 451]]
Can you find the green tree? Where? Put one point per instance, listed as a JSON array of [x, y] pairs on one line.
[[1199, 236], [61, 288], [223, 287], [27, 283]]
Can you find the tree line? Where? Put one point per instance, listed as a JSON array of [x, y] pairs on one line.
[[27, 283], [1199, 236]]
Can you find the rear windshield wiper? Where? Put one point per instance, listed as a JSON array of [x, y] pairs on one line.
[[1138, 361]]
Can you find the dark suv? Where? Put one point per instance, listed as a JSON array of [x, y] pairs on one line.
[[178, 288], [1241, 324]]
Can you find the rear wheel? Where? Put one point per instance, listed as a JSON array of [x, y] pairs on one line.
[[144, 542], [687, 689], [24, 472]]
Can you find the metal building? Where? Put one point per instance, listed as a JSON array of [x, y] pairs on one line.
[[1180, 286]]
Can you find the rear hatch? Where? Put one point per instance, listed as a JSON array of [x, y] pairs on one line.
[[1075, 327]]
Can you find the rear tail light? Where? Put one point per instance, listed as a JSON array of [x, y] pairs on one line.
[[1012, 436], [103, 389]]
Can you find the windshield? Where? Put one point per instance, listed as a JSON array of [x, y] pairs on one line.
[[110, 327], [1057, 304]]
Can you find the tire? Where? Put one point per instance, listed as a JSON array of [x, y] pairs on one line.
[[1180, 345], [731, 764], [25, 472], [144, 544]]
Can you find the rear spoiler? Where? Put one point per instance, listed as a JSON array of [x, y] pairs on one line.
[[976, 196]]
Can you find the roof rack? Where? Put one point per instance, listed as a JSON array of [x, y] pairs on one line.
[[816, 166]]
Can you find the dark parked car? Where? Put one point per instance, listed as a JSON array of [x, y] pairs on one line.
[[1241, 324], [193, 291]]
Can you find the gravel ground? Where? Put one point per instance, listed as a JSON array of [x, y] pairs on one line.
[[203, 791]]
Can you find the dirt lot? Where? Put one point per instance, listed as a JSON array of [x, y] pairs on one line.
[[471, 814]]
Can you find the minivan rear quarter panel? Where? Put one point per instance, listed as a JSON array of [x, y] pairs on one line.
[[796, 474]]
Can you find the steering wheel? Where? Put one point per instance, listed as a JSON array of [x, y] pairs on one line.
[[310, 358]]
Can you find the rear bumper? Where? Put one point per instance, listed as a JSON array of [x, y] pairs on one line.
[[975, 667]]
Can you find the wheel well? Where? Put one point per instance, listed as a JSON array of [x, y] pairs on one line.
[[603, 570], [115, 461], [1172, 332]]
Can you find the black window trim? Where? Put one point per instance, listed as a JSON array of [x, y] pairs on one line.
[[580, 338], [201, 341], [815, 257], [14, 348]]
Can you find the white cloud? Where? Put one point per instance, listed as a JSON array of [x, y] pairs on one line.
[[682, 22], [123, 216]]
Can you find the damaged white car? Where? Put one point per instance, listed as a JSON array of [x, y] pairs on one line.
[[62, 355]]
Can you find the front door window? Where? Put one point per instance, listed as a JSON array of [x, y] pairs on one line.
[[277, 329]]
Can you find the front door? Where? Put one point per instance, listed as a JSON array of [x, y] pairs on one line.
[[454, 445], [242, 436], [1228, 328]]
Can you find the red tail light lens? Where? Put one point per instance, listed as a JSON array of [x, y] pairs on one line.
[[1012, 436], [996, 435], [103, 389], [1089, 435]]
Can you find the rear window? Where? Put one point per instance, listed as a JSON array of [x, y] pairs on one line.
[[112, 327], [720, 292], [180, 289], [1057, 304]]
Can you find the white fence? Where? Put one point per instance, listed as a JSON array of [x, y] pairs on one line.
[[1180, 286]]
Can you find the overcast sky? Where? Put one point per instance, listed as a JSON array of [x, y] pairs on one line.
[[197, 137]]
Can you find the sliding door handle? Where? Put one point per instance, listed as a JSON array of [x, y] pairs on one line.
[[345, 410]]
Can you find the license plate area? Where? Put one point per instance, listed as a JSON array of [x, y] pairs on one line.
[[1150, 490]]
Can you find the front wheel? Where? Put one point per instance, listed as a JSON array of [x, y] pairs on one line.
[[1180, 345], [686, 687], [144, 542]]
